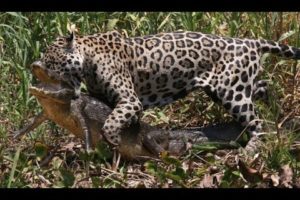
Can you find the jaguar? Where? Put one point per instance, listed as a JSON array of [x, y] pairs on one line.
[[131, 74]]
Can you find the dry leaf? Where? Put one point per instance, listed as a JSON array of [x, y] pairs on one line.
[[286, 176], [69, 146], [207, 182], [275, 179]]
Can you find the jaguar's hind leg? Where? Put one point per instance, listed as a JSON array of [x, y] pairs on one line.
[[239, 104], [260, 91]]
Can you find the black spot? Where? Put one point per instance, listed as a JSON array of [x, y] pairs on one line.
[[226, 83], [229, 96], [205, 53], [180, 53], [168, 46], [238, 64], [253, 55], [197, 45], [244, 107], [176, 73], [230, 47], [119, 111], [283, 47], [221, 44], [238, 97], [216, 55], [250, 71], [168, 61], [189, 43], [265, 49], [151, 43], [139, 51], [152, 98], [248, 91], [180, 44], [275, 50], [186, 63], [236, 109], [242, 119], [235, 80], [193, 54], [227, 106], [127, 115], [245, 49], [157, 55], [239, 88], [244, 77], [132, 99]]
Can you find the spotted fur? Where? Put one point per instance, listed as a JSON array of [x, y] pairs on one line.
[[133, 74]]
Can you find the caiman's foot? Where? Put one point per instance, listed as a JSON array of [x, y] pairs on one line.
[[36, 121], [253, 146], [151, 145]]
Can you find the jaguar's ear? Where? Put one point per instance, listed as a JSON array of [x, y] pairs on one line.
[[71, 40]]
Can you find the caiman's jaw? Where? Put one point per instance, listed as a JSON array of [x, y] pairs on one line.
[[45, 76], [49, 87], [42, 74]]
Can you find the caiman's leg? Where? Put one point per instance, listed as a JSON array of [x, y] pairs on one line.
[[37, 120], [77, 110]]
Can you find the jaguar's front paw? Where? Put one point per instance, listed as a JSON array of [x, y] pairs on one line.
[[113, 139]]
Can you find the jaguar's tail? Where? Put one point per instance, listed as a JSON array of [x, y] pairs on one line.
[[267, 46]]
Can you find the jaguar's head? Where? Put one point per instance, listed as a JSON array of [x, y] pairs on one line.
[[62, 61]]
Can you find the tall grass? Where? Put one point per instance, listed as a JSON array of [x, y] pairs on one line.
[[23, 36]]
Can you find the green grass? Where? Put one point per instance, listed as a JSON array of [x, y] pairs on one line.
[[23, 36]]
